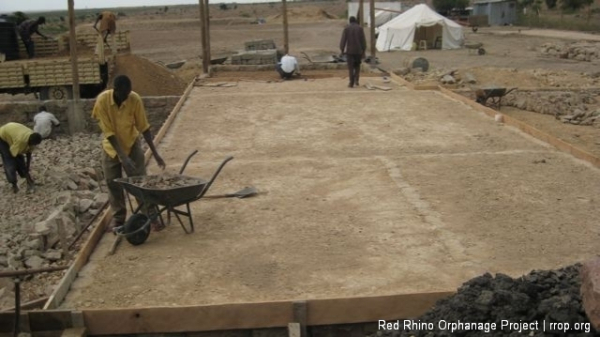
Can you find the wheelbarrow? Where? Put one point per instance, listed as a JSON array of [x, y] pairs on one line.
[[478, 47], [491, 96], [166, 192]]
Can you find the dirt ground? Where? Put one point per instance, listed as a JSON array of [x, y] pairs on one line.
[[413, 192]]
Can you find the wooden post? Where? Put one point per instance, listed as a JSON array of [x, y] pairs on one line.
[[372, 27], [207, 32], [361, 13], [76, 122], [205, 60], [286, 45]]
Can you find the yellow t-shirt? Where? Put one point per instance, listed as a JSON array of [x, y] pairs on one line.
[[125, 122], [17, 136]]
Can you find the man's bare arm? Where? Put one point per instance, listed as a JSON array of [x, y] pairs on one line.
[[148, 138]]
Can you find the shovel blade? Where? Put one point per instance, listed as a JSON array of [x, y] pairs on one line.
[[244, 193]]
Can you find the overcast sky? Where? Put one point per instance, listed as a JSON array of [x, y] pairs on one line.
[[41, 5]]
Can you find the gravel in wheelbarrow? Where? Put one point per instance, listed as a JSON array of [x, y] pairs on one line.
[[164, 189]]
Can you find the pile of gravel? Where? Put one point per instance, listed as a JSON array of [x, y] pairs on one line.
[[530, 305]]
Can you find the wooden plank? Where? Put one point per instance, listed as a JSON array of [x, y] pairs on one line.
[[84, 254], [371, 309], [30, 305], [185, 319], [300, 316], [294, 330], [401, 81], [257, 315], [49, 320]]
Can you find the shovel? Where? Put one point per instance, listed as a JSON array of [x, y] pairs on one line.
[[243, 193]]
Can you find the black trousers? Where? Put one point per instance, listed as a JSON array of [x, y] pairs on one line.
[[12, 165], [283, 74], [29, 45], [353, 61]]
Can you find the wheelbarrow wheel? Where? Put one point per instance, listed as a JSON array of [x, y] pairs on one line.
[[137, 229], [480, 51]]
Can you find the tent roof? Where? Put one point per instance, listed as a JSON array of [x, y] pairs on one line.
[[419, 15]]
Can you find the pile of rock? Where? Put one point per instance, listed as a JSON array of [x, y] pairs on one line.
[[581, 51], [439, 76], [531, 303], [33, 226], [579, 108]]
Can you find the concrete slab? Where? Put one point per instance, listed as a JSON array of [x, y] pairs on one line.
[[365, 193]]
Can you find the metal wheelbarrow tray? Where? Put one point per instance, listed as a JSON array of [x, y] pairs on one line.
[[491, 96], [478, 47], [144, 188], [158, 191]]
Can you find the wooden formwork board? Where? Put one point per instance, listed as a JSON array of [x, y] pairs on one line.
[[225, 317], [257, 315], [84, 254]]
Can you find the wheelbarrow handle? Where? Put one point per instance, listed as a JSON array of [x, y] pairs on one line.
[[205, 189], [186, 161]]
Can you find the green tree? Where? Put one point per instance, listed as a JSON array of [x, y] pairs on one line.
[[445, 6]]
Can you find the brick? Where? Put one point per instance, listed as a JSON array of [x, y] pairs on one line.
[[590, 290]]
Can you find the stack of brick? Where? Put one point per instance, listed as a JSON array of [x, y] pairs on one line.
[[257, 52]]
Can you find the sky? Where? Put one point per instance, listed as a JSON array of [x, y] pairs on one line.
[[9, 6]]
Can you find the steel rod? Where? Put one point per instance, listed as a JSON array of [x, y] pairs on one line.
[[15, 273]]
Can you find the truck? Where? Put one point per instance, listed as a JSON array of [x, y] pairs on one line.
[[49, 74]]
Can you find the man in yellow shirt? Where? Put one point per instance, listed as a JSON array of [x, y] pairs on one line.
[[15, 140], [121, 116]]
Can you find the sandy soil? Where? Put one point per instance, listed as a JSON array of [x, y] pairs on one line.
[[414, 192]]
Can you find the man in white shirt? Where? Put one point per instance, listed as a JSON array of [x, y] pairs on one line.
[[45, 123], [287, 66]]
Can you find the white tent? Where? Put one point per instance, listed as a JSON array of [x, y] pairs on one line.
[[383, 16], [417, 24]]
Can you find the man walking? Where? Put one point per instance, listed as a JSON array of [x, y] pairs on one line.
[[121, 116], [354, 43], [15, 140], [45, 123], [26, 30]]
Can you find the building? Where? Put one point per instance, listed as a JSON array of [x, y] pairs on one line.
[[499, 12]]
